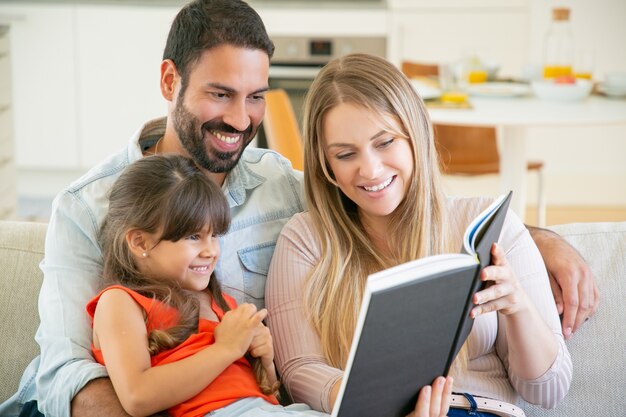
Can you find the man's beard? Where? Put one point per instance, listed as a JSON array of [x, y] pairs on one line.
[[191, 134]]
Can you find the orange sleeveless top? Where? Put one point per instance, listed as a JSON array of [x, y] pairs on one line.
[[235, 382]]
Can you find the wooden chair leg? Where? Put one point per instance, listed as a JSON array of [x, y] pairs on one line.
[[541, 199]]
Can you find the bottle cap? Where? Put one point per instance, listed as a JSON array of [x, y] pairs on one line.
[[560, 13]]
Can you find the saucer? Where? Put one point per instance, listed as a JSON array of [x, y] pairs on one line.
[[612, 90]]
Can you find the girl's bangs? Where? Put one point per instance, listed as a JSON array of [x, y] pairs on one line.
[[191, 207]]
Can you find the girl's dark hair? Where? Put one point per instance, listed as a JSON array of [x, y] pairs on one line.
[[171, 196], [205, 24]]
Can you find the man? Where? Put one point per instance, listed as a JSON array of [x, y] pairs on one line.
[[214, 75]]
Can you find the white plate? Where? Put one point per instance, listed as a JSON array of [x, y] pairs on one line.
[[498, 89], [425, 90], [612, 90]]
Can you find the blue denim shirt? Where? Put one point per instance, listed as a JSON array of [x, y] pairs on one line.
[[263, 192]]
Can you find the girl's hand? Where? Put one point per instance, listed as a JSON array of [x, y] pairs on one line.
[[261, 345], [504, 292], [262, 348], [238, 327], [434, 401]]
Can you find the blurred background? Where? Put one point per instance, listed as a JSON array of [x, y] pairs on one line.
[[78, 78]]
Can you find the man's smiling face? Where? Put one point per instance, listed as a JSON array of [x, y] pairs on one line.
[[220, 109]]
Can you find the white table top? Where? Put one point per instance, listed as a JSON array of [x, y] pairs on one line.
[[531, 111]]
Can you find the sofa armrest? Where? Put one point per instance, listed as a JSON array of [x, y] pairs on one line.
[[598, 348], [21, 251]]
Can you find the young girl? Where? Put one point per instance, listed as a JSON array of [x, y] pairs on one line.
[[169, 338]]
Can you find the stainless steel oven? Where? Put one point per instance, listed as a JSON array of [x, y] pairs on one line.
[[298, 59]]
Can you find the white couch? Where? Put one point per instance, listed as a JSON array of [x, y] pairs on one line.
[[598, 349]]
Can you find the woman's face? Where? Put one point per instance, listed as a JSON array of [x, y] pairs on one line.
[[372, 165]]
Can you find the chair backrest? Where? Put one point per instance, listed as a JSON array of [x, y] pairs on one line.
[[463, 150], [281, 128], [417, 69], [467, 150]]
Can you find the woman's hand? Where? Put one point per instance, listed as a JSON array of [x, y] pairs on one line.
[[239, 327], [503, 292], [434, 401]]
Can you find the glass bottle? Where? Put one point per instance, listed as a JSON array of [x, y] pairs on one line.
[[559, 45]]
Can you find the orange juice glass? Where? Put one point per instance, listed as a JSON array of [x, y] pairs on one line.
[[477, 76]]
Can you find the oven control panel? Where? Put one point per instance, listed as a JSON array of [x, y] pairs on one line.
[[302, 50]]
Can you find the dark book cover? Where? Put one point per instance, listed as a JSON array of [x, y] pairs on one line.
[[414, 318]]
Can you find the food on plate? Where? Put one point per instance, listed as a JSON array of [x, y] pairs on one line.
[[565, 79]]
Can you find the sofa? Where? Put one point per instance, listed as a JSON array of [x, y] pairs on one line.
[[598, 349]]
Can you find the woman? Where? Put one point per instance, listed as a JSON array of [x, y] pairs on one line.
[[375, 200]]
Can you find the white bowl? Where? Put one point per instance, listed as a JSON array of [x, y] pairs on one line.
[[549, 90], [616, 80]]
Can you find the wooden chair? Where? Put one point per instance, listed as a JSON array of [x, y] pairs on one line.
[[472, 150], [281, 128]]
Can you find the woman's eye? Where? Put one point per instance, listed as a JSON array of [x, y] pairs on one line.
[[194, 237], [386, 143], [342, 156]]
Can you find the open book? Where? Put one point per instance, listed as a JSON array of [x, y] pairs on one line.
[[414, 318]]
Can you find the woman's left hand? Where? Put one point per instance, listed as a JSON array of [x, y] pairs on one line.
[[503, 291], [434, 400]]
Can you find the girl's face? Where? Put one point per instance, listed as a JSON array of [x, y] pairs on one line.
[[190, 260], [372, 166]]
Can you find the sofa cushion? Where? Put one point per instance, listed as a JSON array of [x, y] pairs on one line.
[[598, 348], [21, 250]]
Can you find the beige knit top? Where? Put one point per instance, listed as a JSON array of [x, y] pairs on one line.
[[309, 378]]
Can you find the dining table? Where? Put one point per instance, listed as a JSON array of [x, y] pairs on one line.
[[512, 116]]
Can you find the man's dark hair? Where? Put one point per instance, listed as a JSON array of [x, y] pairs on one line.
[[205, 24]]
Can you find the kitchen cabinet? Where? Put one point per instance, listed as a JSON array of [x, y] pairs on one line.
[[118, 74], [8, 194], [44, 93], [85, 78]]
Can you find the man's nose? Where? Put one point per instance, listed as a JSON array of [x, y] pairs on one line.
[[237, 115]]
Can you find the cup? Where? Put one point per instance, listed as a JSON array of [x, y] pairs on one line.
[[616, 79], [583, 66], [450, 88]]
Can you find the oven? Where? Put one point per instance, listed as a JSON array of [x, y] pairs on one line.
[[298, 59]]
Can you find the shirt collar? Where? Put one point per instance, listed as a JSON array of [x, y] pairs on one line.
[[239, 180]]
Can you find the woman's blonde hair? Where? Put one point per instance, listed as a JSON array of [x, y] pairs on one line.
[[416, 228], [171, 196]]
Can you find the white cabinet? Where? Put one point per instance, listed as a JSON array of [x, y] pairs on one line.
[[447, 31], [84, 78], [8, 194], [118, 63], [44, 85]]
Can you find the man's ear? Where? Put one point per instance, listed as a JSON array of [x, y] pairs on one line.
[[169, 79], [138, 242]]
